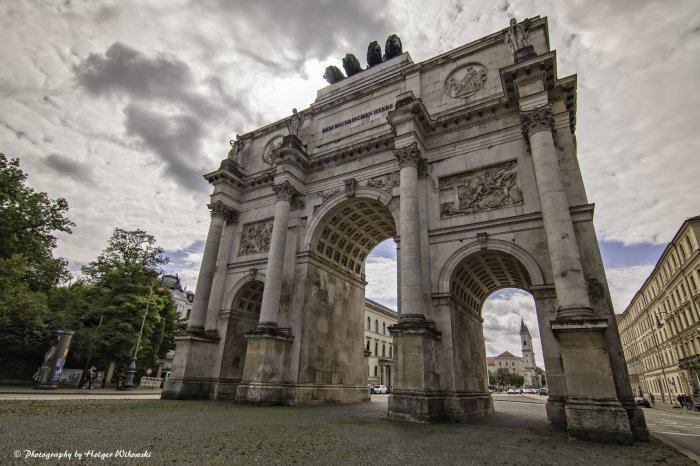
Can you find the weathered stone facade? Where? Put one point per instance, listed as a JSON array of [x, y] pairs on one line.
[[489, 121]]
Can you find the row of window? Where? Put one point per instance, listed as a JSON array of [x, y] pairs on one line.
[[376, 349], [376, 326]]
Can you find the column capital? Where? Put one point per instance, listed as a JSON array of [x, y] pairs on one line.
[[539, 119], [219, 209], [409, 156], [285, 191]]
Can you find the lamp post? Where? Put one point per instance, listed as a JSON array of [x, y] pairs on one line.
[[129, 381]]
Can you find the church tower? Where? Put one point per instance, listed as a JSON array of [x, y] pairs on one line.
[[529, 366]]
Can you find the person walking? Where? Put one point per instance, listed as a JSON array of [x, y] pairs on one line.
[[651, 398], [90, 379]]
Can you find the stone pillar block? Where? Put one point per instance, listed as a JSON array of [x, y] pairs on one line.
[[593, 411], [192, 364], [264, 374]]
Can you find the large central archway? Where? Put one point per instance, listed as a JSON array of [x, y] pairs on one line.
[[331, 319]]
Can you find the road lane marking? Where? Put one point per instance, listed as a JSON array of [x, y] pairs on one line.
[[675, 433]]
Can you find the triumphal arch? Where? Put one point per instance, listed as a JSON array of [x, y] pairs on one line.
[[468, 161]]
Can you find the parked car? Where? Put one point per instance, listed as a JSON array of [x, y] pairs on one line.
[[544, 391], [380, 389], [512, 391], [641, 401]]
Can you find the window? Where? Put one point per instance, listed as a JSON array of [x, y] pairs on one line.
[[376, 326], [375, 368], [367, 345], [189, 311], [369, 323], [384, 328], [390, 352], [376, 349], [383, 351]]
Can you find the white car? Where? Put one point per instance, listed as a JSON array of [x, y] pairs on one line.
[[512, 391], [380, 389]]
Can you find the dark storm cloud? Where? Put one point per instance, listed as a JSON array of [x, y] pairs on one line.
[[64, 166], [175, 138], [313, 29], [124, 70]]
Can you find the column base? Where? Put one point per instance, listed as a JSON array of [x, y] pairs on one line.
[[637, 421], [265, 371], [294, 394], [191, 376], [598, 421], [556, 412], [427, 408]]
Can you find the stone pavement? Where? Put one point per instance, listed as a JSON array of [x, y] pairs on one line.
[[205, 432]]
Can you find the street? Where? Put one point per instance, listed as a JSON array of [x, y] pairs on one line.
[[679, 428]]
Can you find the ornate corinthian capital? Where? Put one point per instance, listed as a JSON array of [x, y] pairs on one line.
[[409, 156], [219, 209], [285, 191], [539, 119]]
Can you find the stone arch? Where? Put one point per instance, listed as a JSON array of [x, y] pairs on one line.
[[348, 228], [522, 256], [332, 203], [242, 282]]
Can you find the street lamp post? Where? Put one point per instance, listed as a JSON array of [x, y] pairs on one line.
[[129, 381]]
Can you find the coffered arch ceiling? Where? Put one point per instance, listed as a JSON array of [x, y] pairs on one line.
[[249, 298], [480, 274], [347, 234]]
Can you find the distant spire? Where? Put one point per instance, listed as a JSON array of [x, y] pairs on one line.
[[523, 327]]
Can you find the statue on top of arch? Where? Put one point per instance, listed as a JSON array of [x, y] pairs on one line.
[[518, 39]]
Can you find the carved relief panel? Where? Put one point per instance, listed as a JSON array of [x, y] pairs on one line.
[[483, 189], [255, 238], [465, 80]]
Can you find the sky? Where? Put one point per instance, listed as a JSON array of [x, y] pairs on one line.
[[121, 106]]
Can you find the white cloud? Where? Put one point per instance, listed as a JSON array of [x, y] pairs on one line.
[[381, 276], [637, 113], [624, 282]]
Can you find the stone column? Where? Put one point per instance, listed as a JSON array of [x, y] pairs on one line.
[[213, 308], [410, 264], [219, 214], [275, 259], [569, 282]]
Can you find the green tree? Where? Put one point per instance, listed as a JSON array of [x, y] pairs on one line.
[[505, 378], [125, 279], [28, 270], [28, 221]]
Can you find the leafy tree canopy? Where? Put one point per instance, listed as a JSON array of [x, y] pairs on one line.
[[133, 255], [28, 221]]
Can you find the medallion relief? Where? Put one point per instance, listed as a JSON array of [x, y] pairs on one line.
[[273, 144], [465, 80], [484, 189], [255, 238]]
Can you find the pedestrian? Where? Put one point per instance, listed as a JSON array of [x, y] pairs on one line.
[[688, 402], [651, 397], [90, 379], [35, 377], [679, 398]]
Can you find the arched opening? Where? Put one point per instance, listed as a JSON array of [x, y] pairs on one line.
[[242, 317], [339, 335], [490, 290]]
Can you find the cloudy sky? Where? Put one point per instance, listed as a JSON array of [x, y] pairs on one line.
[[121, 106]]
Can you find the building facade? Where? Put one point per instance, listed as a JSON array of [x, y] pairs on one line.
[[379, 348], [524, 365], [660, 329]]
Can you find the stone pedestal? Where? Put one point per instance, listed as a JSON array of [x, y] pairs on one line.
[[264, 374], [192, 364], [593, 411], [416, 396]]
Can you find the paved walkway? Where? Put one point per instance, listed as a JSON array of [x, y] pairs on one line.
[[107, 431]]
